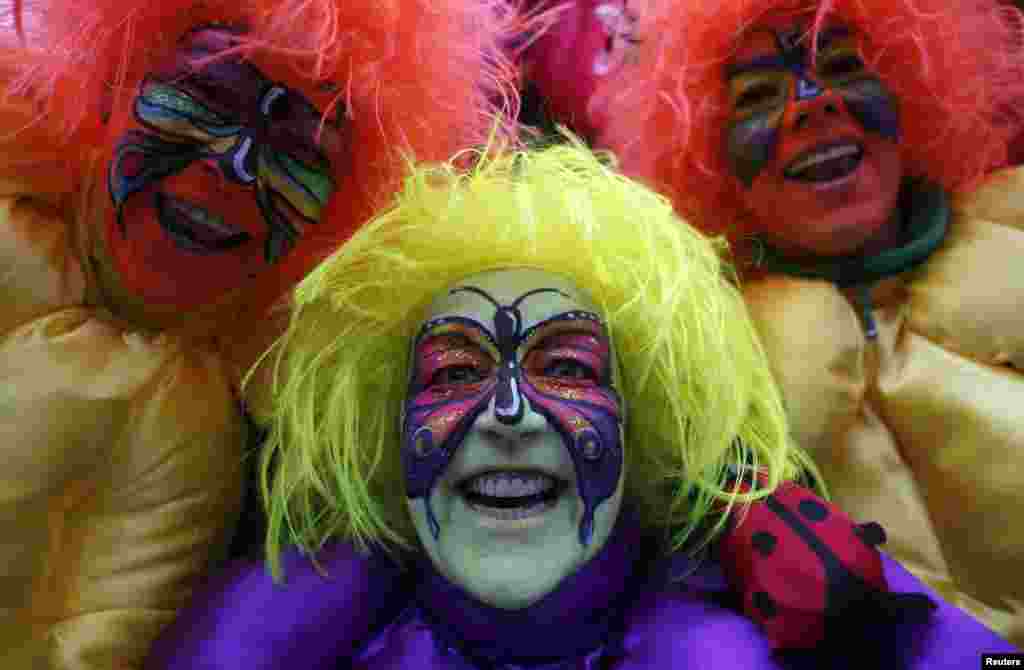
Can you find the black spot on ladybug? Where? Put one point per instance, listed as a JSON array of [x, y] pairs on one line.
[[764, 542], [812, 510], [870, 533], [764, 604]]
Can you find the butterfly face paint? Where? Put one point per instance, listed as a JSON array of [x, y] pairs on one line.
[[217, 174], [766, 88], [559, 368], [512, 435], [813, 139]]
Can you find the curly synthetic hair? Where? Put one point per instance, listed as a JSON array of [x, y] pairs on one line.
[[955, 66], [421, 78], [701, 397]]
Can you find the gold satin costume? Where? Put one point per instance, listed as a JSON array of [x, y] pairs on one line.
[[120, 446], [922, 427]]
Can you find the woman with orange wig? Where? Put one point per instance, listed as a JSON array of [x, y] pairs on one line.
[[168, 169], [855, 151]]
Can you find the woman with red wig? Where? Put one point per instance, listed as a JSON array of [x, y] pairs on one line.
[[854, 151], [168, 170]]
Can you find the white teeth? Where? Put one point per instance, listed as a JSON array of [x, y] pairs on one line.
[[816, 157], [511, 484], [514, 513]]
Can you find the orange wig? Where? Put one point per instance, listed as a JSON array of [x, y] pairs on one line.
[[407, 79], [956, 68]]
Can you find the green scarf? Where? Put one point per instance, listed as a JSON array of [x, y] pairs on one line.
[[927, 211]]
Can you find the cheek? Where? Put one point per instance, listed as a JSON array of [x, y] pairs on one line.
[[432, 431], [891, 161], [764, 198], [589, 420], [750, 145], [888, 164], [873, 107]]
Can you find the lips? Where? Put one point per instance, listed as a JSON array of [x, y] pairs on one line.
[[825, 162], [512, 494], [194, 229]]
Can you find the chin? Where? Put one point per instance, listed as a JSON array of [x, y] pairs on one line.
[[824, 228], [849, 230], [519, 594]]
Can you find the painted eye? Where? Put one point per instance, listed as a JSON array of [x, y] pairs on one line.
[[456, 375], [841, 65], [757, 95], [567, 368]]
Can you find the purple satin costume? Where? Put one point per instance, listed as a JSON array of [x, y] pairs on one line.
[[624, 610]]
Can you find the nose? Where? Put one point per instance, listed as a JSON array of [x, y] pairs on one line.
[[803, 112], [521, 432]]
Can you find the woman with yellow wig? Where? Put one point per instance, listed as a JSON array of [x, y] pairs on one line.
[[514, 428]]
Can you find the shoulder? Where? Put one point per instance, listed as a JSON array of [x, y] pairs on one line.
[[679, 622], [38, 266], [167, 411], [998, 198], [966, 298], [318, 614], [792, 315]]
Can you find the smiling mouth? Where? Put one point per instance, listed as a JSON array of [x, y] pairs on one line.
[[825, 163], [194, 229], [510, 495]]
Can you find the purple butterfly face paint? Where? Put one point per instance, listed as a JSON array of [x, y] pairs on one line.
[[765, 90], [555, 371]]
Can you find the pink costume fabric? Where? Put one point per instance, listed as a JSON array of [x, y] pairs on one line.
[[572, 47]]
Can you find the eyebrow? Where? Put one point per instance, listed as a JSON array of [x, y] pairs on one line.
[[778, 61], [476, 333], [767, 62], [565, 324]]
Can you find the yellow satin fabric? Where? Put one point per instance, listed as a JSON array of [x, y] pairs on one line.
[[120, 453], [922, 429]]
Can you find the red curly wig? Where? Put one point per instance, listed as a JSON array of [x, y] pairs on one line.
[[414, 78], [956, 67]]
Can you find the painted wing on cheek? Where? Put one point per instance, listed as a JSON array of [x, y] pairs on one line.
[[751, 143], [588, 419], [290, 196], [181, 128], [435, 422], [434, 427], [140, 160], [870, 104]]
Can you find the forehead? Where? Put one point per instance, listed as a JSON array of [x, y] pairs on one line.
[[762, 37], [558, 294], [223, 69]]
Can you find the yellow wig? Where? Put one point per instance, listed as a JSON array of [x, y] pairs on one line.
[[699, 391]]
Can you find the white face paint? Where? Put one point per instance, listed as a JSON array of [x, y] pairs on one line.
[[511, 557]]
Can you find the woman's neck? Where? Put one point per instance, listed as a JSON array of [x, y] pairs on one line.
[[575, 618]]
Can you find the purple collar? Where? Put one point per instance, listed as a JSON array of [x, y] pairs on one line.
[[582, 614]]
